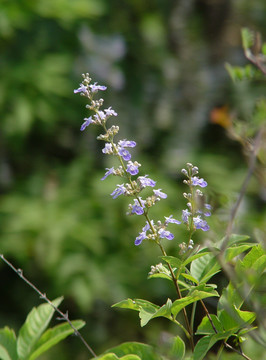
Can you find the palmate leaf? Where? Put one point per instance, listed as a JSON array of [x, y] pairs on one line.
[[53, 336], [143, 351], [8, 344], [35, 324]]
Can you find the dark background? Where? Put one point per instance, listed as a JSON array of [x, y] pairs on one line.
[[163, 63]]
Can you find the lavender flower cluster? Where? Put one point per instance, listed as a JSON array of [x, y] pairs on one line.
[[134, 183]]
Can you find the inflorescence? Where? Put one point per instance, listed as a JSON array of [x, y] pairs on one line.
[[193, 217]]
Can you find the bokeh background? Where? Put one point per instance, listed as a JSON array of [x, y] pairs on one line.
[[164, 64]]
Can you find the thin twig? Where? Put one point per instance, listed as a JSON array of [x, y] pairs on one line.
[[174, 279], [251, 168], [43, 296]]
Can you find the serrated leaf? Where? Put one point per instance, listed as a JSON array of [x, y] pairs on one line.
[[8, 344], [205, 327], [178, 348], [53, 336], [35, 324], [145, 352]]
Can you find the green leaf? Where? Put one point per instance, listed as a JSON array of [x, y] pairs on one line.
[[112, 356], [204, 268], [254, 254], [53, 336], [143, 351], [8, 344], [233, 251], [148, 313], [196, 295], [263, 49], [194, 257], [190, 278], [35, 324], [138, 304], [161, 276], [235, 319], [247, 38], [173, 261], [206, 343], [205, 327], [233, 240], [178, 348], [147, 310]]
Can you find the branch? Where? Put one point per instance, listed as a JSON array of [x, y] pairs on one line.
[[43, 296]]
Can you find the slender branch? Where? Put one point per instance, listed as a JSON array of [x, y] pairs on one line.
[[174, 279], [251, 168], [43, 296]]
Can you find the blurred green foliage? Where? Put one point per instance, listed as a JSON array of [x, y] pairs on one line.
[[163, 63]]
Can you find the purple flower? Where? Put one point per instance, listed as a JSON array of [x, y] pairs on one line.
[[145, 181], [81, 89], [171, 220], [122, 144], [110, 112], [160, 194], [198, 182], [208, 207], [95, 87], [185, 215], [132, 168], [86, 123], [126, 143], [140, 238], [137, 208], [200, 224], [120, 190], [165, 234], [108, 149], [100, 116], [124, 153], [108, 172], [147, 226]]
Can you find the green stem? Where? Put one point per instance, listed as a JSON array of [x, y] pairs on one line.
[[174, 279]]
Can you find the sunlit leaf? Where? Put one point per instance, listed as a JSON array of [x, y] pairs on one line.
[[8, 344], [178, 348], [205, 327], [53, 336], [143, 351], [35, 324]]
